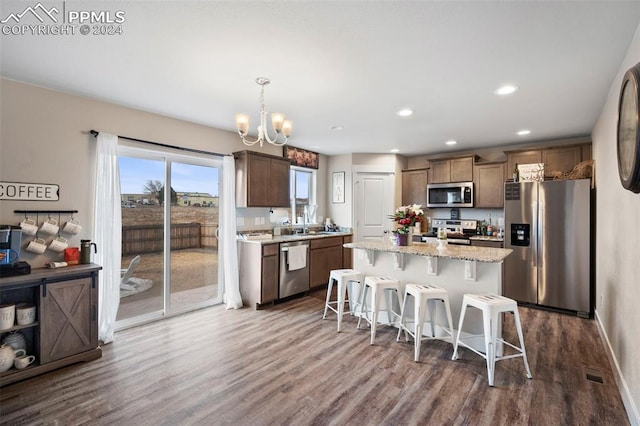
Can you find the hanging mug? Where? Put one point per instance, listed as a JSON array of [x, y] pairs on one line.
[[29, 227], [37, 246], [49, 226], [72, 227], [58, 244]]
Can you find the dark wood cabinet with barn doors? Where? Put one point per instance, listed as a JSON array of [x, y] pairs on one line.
[[66, 327]]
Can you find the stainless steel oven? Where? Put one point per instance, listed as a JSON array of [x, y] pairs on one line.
[[458, 194]]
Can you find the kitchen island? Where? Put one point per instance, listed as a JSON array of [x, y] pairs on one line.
[[458, 269]]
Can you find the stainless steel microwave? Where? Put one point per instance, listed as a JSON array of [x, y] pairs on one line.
[[459, 194]]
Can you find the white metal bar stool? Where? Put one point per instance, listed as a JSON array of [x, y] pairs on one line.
[[424, 295], [379, 286], [492, 306], [343, 277]]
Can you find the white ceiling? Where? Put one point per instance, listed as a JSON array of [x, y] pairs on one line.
[[352, 64]]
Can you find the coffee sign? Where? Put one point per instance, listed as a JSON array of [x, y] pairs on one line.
[[29, 191]]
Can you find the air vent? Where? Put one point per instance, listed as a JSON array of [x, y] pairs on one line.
[[593, 375]]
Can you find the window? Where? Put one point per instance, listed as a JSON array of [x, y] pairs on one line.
[[302, 190]]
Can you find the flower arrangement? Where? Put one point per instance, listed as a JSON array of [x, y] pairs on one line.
[[406, 217]]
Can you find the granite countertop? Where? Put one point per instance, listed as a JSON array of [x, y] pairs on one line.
[[486, 238], [452, 251], [294, 237]]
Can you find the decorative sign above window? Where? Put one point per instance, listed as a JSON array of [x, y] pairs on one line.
[[301, 157], [20, 191], [531, 172]]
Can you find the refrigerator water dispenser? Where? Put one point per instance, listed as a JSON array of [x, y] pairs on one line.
[[520, 234]]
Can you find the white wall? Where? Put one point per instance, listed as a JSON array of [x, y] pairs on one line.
[[340, 213], [44, 138], [618, 248]]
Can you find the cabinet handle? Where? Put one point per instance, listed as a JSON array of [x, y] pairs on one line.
[[43, 284]]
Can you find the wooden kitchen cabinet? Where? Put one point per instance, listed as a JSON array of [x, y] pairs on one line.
[[262, 180], [562, 159], [66, 327], [451, 170], [270, 276], [258, 285], [462, 169], [347, 253], [440, 171], [489, 185], [523, 157], [325, 254], [414, 187]]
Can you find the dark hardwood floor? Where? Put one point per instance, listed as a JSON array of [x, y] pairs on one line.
[[285, 366]]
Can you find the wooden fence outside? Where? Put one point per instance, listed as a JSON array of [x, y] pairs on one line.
[[139, 239]]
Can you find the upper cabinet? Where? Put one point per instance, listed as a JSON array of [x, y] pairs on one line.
[[555, 159], [489, 185], [561, 159], [451, 170], [262, 180], [414, 187]]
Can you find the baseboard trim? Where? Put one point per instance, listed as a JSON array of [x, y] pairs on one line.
[[629, 405]]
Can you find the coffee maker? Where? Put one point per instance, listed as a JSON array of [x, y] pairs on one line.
[[10, 242]]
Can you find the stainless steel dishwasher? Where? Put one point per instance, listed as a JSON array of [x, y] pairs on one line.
[[293, 282]]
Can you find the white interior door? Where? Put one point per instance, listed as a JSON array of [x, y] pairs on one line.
[[373, 201]]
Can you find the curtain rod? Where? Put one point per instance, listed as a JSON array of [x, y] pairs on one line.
[[198, 151]]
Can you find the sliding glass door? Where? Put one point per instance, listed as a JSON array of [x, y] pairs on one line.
[[170, 207], [194, 245]]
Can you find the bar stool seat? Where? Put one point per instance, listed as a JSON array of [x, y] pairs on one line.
[[424, 295], [492, 306], [379, 286], [342, 277]]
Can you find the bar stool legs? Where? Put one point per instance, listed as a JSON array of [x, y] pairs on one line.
[[492, 306], [378, 286], [343, 278], [424, 296]]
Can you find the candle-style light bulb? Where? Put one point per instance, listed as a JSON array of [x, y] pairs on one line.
[[242, 123]]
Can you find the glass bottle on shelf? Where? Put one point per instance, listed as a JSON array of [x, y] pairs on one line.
[[516, 173]]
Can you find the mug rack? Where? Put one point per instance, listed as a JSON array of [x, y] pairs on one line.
[[45, 211]]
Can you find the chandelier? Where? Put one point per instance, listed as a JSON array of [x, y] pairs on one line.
[[280, 125]]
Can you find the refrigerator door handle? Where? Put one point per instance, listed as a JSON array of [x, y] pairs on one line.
[[540, 246], [534, 235]]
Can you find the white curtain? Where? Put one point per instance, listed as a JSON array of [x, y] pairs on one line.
[[108, 237], [228, 246]]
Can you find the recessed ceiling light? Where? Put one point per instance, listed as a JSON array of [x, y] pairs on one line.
[[523, 132], [338, 127], [507, 89], [451, 142], [405, 112], [394, 150]]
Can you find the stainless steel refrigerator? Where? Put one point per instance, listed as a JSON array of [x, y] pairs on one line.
[[547, 225]]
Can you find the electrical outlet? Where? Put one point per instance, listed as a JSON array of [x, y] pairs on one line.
[[601, 300], [257, 221], [239, 221]]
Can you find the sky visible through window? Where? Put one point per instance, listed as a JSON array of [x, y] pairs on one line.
[[135, 172]]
